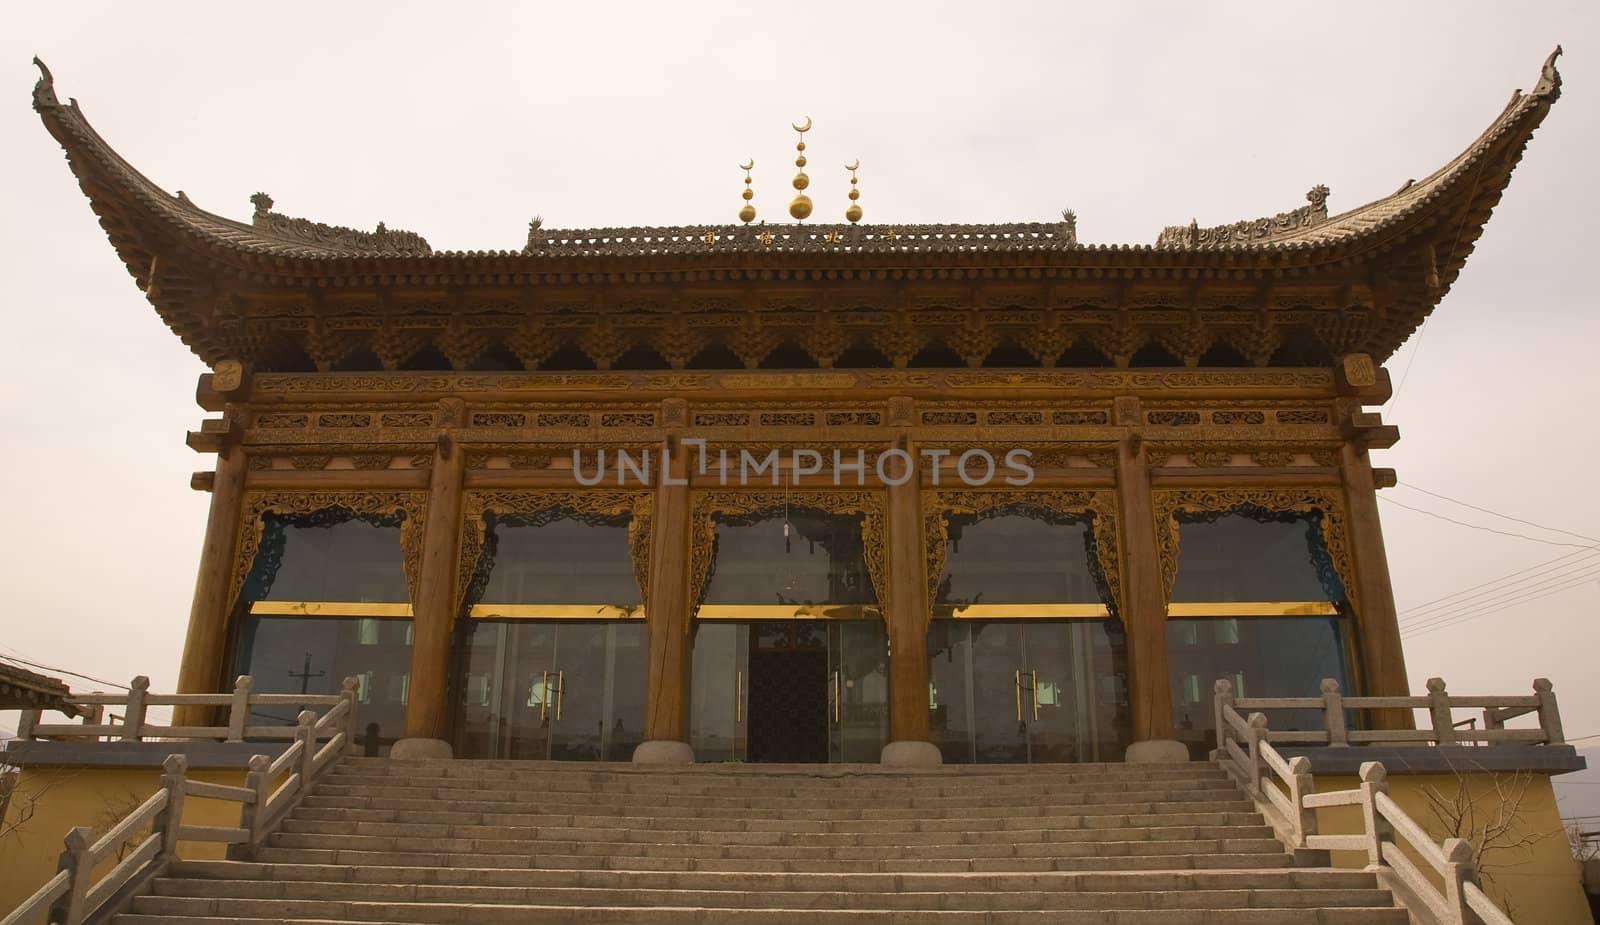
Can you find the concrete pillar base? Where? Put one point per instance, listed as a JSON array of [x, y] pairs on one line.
[[663, 751], [1157, 751], [911, 754], [421, 750]]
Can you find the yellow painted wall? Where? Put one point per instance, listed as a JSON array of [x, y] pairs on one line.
[[63, 798], [1541, 884]]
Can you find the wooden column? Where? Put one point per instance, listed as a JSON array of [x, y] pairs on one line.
[[205, 647], [669, 602], [1382, 661], [906, 610], [434, 610], [1144, 605]]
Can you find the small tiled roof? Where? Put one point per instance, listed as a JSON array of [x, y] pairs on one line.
[[21, 689]]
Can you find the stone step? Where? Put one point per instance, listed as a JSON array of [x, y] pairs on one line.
[[787, 787], [682, 832], [600, 847], [1282, 878], [469, 767], [907, 807], [797, 821], [783, 864], [188, 909], [941, 900]]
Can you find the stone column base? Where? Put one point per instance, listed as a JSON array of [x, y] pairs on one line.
[[1157, 751], [911, 754], [663, 751], [421, 750]]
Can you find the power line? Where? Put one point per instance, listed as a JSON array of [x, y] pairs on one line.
[[1416, 348], [1587, 568], [31, 664], [1462, 523], [1468, 615], [1485, 510], [1501, 580]]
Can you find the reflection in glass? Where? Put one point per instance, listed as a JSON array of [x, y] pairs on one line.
[[1020, 554], [313, 655], [1263, 657], [329, 557], [1252, 555], [809, 558], [1028, 690]]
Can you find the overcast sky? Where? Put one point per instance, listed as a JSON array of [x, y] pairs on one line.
[[463, 125]]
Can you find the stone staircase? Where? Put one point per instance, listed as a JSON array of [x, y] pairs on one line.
[[468, 842]]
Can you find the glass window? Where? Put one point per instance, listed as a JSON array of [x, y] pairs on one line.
[[1020, 555], [1253, 556], [313, 655], [559, 559], [330, 555], [806, 557], [332, 558], [1263, 657]]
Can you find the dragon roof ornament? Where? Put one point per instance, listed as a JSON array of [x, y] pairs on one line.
[[335, 237], [1250, 232]]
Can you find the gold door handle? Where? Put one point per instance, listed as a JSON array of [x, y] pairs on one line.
[[561, 689], [1035, 675], [1018, 680], [544, 697], [837, 697], [738, 697]]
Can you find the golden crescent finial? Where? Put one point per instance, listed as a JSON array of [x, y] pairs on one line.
[[855, 166], [750, 166], [799, 129]]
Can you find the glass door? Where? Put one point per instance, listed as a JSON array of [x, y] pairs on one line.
[[719, 691], [858, 676], [794, 691], [1024, 691], [548, 689]]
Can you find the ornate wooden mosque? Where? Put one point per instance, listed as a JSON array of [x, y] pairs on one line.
[[754, 492]]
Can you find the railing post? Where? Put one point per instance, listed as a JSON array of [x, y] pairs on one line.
[[170, 819], [1458, 871], [1333, 714], [239, 709], [25, 723], [1549, 716], [347, 692], [1223, 691], [75, 860], [1258, 734], [1300, 786], [133, 718], [306, 735], [1374, 780], [251, 814], [1444, 729]]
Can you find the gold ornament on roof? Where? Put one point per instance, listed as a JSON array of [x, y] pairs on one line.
[[852, 213], [800, 205], [747, 213]]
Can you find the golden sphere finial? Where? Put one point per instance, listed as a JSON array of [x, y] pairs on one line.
[[747, 213], [852, 213], [800, 205]]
